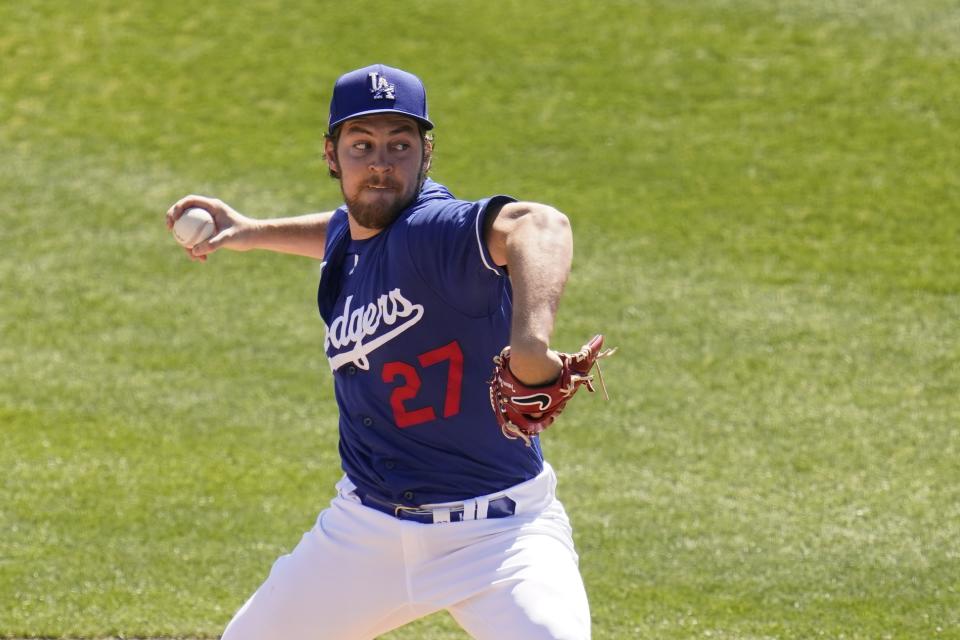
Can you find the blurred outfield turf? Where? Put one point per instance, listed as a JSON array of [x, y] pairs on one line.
[[765, 201]]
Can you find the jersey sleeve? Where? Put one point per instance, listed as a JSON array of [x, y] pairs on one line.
[[447, 246]]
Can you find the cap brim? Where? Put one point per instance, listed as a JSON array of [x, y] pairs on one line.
[[353, 116]]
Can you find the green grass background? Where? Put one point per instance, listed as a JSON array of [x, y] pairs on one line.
[[765, 202]]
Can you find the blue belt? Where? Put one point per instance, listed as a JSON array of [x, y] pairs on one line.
[[498, 508]]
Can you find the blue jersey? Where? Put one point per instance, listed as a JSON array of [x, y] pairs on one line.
[[414, 317]]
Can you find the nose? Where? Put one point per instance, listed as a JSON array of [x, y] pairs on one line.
[[380, 162]]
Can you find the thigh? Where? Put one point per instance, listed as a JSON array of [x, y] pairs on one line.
[[345, 579], [536, 593]]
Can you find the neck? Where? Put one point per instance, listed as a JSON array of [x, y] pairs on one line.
[[360, 232]]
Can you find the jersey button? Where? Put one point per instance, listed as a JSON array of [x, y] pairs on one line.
[[351, 370], [408, 495], [390, 464], [367, 421]]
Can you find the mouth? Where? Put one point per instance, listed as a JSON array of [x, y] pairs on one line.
[[381, 186]]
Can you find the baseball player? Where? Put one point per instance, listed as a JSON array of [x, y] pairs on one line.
[[438, 315]]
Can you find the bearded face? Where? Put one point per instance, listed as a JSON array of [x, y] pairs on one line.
[[381, 161], [376, 203]]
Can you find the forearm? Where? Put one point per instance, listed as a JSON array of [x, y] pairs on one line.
[[539, 252], [300, 235]]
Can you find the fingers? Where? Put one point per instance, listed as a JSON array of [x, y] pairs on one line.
[[194, 258], [210, 204], [202, 249]]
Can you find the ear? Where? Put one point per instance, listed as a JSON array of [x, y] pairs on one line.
[[330, 155]]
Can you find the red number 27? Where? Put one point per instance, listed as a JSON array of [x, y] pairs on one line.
[[405, 417]]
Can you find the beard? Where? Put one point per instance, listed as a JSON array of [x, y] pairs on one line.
[[375, 208]]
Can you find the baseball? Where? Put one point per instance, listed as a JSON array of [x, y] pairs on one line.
[[193, 227]]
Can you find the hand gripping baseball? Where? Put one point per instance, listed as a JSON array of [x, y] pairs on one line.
[[233, 229], [524, 411]]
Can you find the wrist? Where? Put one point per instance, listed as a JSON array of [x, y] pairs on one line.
[[255, 233], [534, 366], [531, 346]]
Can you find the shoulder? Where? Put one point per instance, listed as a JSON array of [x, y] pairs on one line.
[[444, 238], [434, 204], [437, 206]]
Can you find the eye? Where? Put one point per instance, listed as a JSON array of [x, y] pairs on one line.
[[361, 146], [401, 146]]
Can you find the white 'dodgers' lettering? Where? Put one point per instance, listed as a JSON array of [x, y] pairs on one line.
[[354, 325]]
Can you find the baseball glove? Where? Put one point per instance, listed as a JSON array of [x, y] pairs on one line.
[[524, 411]]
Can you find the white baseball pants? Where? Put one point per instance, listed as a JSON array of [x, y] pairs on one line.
[[360, 573]]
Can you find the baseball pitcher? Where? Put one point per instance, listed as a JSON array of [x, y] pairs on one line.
[[438, 315]]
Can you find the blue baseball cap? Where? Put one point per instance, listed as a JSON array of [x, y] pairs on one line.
[[378, 89]]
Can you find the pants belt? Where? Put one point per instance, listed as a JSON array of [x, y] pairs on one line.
[[502, 507]]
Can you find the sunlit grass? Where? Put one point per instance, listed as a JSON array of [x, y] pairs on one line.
[[764, 202]]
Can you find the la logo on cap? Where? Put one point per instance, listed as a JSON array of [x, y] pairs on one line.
[[380, 87], [377, 89]]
